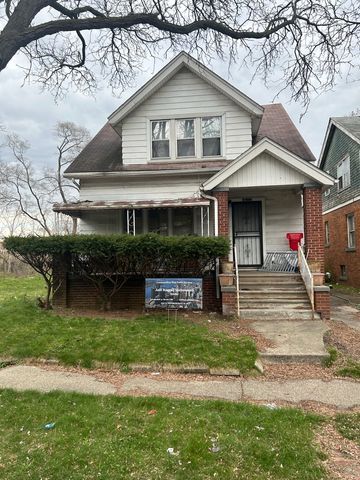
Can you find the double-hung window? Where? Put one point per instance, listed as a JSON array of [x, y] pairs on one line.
[[343, 173], [211, 136], [160, 139], [350, 220], [185, 137]]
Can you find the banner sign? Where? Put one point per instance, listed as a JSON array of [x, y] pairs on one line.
[[180, 293]]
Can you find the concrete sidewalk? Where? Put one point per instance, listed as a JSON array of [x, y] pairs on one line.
[[338, 393]]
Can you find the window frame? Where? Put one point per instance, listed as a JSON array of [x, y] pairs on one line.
[[194, 138], [327, 233], [351, 232], [344, 174], [162, 140], [173, 153], [220, 138]]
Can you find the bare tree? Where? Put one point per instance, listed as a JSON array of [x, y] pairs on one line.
[[71, 139], [30, 192], [312, 41]]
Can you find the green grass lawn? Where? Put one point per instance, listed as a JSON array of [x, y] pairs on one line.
[[28, 332], [348, 424], [116, 438]]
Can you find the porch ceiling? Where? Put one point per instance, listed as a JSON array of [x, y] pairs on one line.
[[77, 207]]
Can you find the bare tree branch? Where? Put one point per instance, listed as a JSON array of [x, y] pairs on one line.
[[73, 44]]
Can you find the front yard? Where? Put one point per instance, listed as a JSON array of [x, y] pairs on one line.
[[124, 438], [29, 332]]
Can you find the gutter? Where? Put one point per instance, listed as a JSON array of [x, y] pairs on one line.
[[139, 173]]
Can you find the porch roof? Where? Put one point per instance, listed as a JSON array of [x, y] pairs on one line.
[[308, 171], [85, 206]]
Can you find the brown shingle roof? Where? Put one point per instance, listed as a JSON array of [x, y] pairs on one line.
[[278, 126], [104, 152]]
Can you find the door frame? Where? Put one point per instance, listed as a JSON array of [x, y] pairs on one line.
[[260, 200]]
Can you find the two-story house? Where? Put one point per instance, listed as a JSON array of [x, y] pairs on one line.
[[189, 154], [340, 156]]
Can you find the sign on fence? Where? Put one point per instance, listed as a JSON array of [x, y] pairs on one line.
[[179, 293]]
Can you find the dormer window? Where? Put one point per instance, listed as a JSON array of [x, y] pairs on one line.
[[160, 141], [211, 136], [185, 138]]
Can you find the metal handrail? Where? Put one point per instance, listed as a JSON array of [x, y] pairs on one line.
[[306, 275]]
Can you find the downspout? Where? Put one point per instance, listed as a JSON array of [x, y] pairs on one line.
[[216, 233], [216, 210]]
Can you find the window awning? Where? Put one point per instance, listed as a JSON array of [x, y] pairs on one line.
[[86, 206]]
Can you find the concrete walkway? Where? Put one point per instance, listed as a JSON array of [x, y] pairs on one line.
[[338, 393], [294, 340], [342, 309]]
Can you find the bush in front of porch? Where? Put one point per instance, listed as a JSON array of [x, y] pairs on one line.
[[108, 261]]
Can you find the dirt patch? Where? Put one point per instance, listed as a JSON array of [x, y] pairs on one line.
[[343, 338], [343, 455]]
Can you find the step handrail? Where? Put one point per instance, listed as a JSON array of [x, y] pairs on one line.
[[306, 275]]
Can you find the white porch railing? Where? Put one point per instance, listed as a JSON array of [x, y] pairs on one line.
[[306, 275]]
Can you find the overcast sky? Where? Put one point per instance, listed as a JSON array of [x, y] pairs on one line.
[[32, 113]]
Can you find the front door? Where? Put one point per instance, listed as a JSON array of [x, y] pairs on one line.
[[247, 231]]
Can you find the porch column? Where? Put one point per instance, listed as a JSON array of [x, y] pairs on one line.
[[313, 227], [222, 196], [314, 243]]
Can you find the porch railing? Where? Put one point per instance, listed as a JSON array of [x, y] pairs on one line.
[[306, 275]]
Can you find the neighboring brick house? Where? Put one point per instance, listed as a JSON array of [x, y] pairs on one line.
[[340, 157], [189, 154]]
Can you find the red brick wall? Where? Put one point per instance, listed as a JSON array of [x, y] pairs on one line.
[[223, 212], [337, 252], [313, 228], [78, 293], [322, 304]]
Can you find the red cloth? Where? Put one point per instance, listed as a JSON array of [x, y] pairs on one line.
[[294, 240]]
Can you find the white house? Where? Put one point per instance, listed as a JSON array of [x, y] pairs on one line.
[[189, 153]]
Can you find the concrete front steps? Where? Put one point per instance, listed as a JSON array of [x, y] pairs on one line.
[[269, 296]]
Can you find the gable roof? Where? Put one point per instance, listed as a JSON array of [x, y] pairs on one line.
[[269, 146], [278, 126], [180, 61], [349, 125], [104, 152]]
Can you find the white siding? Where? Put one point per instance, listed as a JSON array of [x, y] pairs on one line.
[[282, 213], [101, 222], [265, 170], [184, 95], [151, 188]]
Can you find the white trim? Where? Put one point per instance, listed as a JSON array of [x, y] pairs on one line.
[[344, 204], [333, 122], [185, 60], [277, 151]]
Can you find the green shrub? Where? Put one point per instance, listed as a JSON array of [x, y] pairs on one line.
[[109, 260]]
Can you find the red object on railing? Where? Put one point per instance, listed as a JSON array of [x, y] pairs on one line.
[[294, 240]]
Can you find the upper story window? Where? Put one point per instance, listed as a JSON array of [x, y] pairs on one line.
[[160, 139], [211, 136], [199, 137], [343, 173], [185, 138]]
